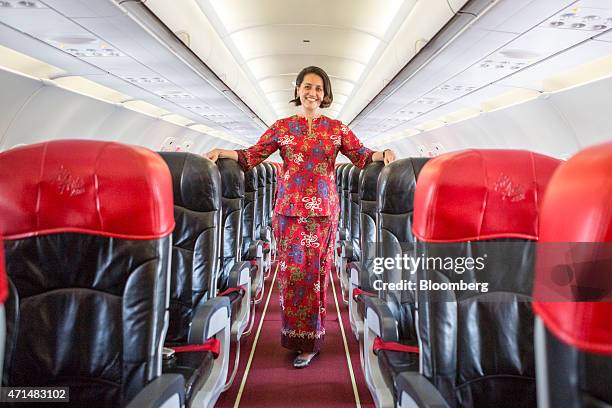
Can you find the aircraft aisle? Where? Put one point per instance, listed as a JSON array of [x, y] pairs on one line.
[[273, 382]]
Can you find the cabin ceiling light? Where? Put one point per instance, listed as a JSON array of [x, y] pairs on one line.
[[520, 54], [67, 39]]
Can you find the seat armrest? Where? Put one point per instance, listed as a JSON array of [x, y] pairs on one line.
[[348, 250], [255, 250], [383, 322], [359, 276], [240, 275], [414, 390], [342, 234], [265, 233], [209, 319], [167, 390]]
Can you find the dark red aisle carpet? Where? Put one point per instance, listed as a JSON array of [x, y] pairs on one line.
[[273, 382]]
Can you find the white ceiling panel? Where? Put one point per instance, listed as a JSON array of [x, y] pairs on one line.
[[103, 43], [606, 36], [518, 16], [484, 63], [266, 67], [456, 58], [264, 41], [602, 4], [84, 8], [372, 16], [533, 76]]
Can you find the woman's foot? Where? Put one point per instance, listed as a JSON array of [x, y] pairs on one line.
[[303, 360]]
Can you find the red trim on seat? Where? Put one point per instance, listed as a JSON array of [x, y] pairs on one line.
[[228, 291], [85, 186], [357, 292], [474, 195], [212, 345], [576, 209], [3, 279], [392, 346]]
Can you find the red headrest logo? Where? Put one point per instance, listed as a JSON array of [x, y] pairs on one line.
[[68, 184], [509, 190]]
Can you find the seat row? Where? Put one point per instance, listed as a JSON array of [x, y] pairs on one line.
[[471, 245], [131, 274]]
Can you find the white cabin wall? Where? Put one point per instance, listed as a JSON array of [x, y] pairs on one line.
[[37, 110], [587, 110], [557, 124]]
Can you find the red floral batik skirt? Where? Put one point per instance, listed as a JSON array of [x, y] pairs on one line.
[[305, 257]]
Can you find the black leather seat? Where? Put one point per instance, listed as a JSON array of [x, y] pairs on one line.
[[252, 248], [574, 323], [359, 271], [349, 249], [270, 181], [344, 231], [263, 232], [195, 261], [270, 193], [87, 243], [234, 274], [393, 237], [475, 220]]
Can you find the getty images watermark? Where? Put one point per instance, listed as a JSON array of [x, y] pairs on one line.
[[457, 265]]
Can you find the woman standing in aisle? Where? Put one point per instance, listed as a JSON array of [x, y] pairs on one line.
[[306, 213]]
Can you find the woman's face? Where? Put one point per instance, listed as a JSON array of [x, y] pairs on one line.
[[311, 92]]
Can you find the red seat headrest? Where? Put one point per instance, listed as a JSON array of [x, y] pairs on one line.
[[474, 195], [92, 187], [3, 280], [576, 239]]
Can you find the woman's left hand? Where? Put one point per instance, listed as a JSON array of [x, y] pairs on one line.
[[388, 156]]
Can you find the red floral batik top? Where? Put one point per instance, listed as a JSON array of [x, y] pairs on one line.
[[308, 186]]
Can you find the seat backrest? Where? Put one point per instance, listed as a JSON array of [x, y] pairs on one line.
[[277, 174], [249, 215], [261, 198], [355, 213], [346, 196], [476, 222], [396, 185], [270, 180], [196, 187], [87, 229], [573, 287], [368, 179], [339, 179], [232, 203]]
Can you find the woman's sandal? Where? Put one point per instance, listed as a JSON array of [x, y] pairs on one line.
[[300, 362]]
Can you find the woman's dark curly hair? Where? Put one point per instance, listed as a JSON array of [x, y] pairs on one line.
[[328, 96]]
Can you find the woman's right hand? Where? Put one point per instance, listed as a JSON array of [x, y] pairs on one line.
[[213, 154], [216, 154]]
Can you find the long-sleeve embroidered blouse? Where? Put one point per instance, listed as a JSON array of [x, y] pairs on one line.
[[307, 187]]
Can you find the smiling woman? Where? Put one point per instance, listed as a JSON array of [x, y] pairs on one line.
[[306, 212]]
